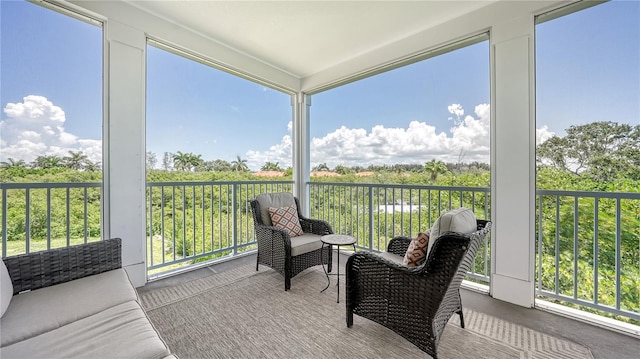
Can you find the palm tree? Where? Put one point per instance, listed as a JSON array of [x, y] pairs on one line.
[[342, 169], [270, 166], [92, 166], [44, 162], [75, 160], [221, 165], [194, 161], [239, 165], [181, 161], [11, 163], [435, 168], [321, 167]]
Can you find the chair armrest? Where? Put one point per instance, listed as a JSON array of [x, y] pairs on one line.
[[370, 263], [315, 226], [46, 268], [399, 245], [272, 235]]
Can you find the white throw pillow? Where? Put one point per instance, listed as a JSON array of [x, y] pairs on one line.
[[6, 288], [461, 220]]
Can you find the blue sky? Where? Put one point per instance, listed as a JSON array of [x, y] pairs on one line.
[[51, 93]]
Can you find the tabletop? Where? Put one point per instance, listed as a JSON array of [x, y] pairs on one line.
[[338, 239]]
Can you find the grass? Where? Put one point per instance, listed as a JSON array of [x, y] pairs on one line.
[[15, 248]]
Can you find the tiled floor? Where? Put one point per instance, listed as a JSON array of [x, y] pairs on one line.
[[604, 343]]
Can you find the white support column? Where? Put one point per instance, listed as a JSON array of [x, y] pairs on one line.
[[124, 158], [513, 162], [301, 148]]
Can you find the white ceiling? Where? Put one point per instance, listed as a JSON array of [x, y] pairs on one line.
[[303, 38]]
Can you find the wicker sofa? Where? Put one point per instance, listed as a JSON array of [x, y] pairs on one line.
[[74, 302]]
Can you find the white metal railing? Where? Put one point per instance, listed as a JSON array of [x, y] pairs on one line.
[[190, 222], [588, 243], [375, 213], [39, 216], [588, 250]]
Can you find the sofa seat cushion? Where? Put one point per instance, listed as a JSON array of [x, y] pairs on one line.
[[6, 288], [123, 331], [45, 309], [305, 243]]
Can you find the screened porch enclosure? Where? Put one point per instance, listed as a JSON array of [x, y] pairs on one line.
[[577, 248]]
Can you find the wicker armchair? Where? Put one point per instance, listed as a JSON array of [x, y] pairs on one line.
[[415, 302], [276, 249]]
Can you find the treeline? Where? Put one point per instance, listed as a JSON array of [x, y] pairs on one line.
[[76, 160], [602, 152]]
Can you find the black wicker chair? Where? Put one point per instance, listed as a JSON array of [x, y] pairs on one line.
[[415, 302], [275, 244]]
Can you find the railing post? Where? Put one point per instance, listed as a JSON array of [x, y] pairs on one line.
[[4, 222], [68, 216], [618, 253], [27, 224], [596, 249], [150, 235], [49, 218], [234, 218], [540, 238], [371, 217]]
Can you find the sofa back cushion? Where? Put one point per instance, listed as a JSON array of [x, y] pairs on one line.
[[6, 288]]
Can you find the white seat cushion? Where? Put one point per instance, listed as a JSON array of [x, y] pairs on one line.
[[392, 257], [58, 305], [6, 288], [305, 243], [461, 220], [122, 331]]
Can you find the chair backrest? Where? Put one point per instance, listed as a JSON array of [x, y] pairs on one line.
[[453, 254], [266, 200]]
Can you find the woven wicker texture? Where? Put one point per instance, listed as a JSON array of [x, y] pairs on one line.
[[42, 269], [415, 302], [274, 245]]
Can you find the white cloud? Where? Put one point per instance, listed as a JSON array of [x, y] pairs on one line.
[[543, 134], [35, 127], [280, 153], [418, 143], [456, 109]]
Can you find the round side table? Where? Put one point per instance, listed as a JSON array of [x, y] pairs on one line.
[[336, 240]]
